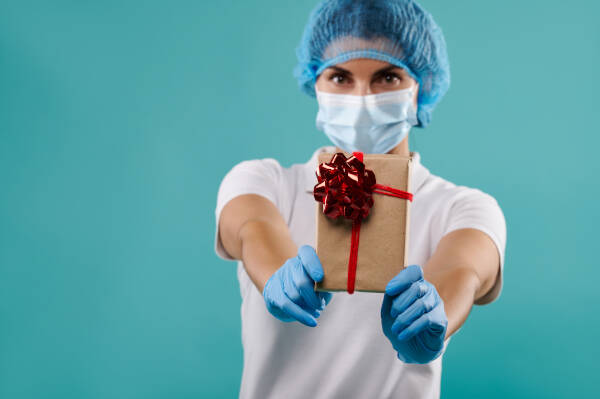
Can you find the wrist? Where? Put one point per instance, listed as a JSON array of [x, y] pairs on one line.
[[264, 251], [264, 284]]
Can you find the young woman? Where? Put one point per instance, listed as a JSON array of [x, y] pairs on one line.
[[377, 68]]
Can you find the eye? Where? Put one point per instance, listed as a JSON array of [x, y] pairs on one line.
[[339, 76], [390, 77]]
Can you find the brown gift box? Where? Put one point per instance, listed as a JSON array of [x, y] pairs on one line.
[[383, 240]]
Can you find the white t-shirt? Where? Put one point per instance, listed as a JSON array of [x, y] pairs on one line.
[[346, 355]]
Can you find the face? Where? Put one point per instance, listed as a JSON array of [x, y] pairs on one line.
[[362, 76]]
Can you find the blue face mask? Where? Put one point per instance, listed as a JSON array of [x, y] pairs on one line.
[[373, 124]]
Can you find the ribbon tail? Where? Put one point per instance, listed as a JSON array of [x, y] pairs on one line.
[[353, 259]]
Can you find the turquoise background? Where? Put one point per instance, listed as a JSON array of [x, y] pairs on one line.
[[118, 121]]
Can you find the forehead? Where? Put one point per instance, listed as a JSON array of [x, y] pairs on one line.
[[363, 65]]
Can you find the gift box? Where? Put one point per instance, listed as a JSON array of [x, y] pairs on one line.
[[362, 204]]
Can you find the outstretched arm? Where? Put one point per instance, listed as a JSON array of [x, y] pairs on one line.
[[463, 268], [422, 307], [253, 230]]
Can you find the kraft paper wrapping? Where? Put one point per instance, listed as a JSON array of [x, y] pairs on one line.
[[383, 241]]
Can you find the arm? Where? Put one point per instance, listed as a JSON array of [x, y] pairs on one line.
[[253, 230], [422, 307], [463, 268]]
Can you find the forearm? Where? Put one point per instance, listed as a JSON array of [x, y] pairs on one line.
[[265, 247], [457, 288]]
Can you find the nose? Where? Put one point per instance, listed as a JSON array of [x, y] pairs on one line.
[[362, 88]]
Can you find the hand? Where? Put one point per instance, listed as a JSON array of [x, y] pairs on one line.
[[289, 293], [413, 317]]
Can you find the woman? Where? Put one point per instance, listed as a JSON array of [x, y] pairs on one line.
[[377, 68]]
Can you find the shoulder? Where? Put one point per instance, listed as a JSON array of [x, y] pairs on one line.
[[252, 176], [268, 171], [256, 173], [256, 166], [448, 194], [456, 206], [263, 176]]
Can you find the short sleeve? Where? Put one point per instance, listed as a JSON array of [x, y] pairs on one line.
[[256, 176], [476, 209]]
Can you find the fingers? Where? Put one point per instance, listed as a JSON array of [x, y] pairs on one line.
[[386, 307], [428, 321], [404, 279], [276, 301], [292, 309], [418, 308], [295, 311], [421, 324], [423, 340], [325, 297], [313, 267], [414, 311], [290, 293], [401, 302], [311, 262], [299, 286]]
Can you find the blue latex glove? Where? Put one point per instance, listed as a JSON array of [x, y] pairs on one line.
[[289, 293], [413, 317]]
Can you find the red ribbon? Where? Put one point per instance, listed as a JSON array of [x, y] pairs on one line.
[[346, 187]]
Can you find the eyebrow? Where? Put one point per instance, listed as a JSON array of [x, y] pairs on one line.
[[384, 69]]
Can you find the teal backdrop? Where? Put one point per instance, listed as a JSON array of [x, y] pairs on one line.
[[118, 120]]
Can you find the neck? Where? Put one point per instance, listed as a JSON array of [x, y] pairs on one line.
[[401, 148]]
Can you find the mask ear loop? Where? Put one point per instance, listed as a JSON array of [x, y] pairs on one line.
[[415, 108], [414, 89]]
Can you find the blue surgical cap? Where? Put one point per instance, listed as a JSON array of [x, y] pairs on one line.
[[400, 32]]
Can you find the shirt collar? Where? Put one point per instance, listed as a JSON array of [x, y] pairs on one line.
[[419, 173]]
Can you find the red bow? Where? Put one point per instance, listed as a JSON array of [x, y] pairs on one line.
[[345, 187]]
